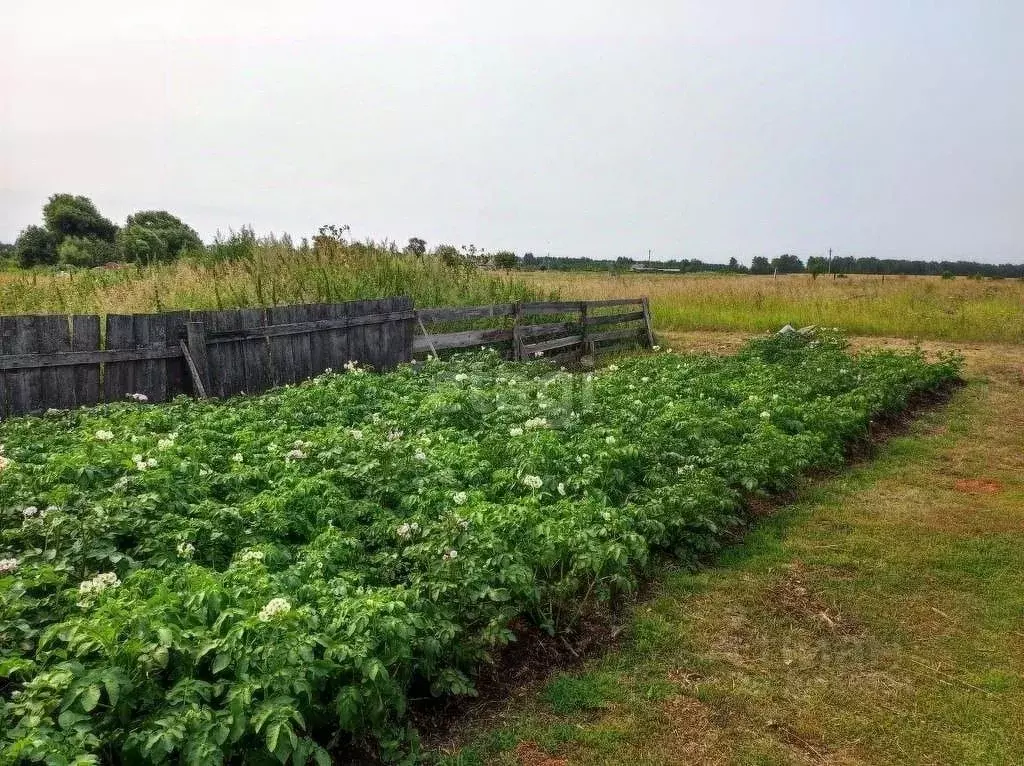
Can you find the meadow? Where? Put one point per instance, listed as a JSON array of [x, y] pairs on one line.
[[275, 578], [895, 306], [270, 272]]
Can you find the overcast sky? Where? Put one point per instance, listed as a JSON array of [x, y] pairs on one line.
[[698, 129]]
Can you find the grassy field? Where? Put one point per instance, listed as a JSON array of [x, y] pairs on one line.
[[876, 619], [910, 307]]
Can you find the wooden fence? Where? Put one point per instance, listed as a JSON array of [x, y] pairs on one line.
[[55, 361], [64, 361], [579, 327]]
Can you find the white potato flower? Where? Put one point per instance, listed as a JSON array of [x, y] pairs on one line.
[[609, 439], [273, 608], [356, 434], [460, 498], [5, 463], [450, 555], [420, 455], [250, 555], [88, 589], [29, 511], [765, 415], [137, 397], [533, 482], [165, 444], [186, 550], [7, 566], [515, 431], [295, 454], [561, 488], [535, 423], [237, 457], [104, 436], [459, 377]]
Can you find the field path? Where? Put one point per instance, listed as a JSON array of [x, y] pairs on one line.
[[878, 619]]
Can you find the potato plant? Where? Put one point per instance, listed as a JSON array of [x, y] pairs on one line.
[[270, 579]]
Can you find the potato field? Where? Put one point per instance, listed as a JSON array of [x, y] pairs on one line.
[[270, 579]]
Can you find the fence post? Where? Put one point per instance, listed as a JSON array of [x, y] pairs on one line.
[[196, 358], [517, 340], [647, 322], [588, 345]]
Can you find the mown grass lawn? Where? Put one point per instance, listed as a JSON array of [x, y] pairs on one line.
[[879, 618]]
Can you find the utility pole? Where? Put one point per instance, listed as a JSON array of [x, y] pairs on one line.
[[830, 260]]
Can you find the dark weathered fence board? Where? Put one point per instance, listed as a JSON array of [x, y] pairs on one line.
[[85, 336], [255, 353], [27, 388], [119, 377], [175, 370], [58, 382]]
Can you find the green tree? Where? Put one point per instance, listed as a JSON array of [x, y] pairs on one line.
[[788, 264], [178, 237], [504, 260], [85, 251], [416, 246], [760, 265], [35, 246], [140, 244], [529, 260], [68, 215], [450, 256]]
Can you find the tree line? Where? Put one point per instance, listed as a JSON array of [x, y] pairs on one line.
[[75, 233]]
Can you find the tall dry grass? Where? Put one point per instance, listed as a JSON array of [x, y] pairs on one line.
[[906, 306], [266, 274]]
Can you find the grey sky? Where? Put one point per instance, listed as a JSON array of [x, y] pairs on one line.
[[698, 129]]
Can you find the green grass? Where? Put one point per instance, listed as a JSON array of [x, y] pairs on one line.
[[909, 307], [876, 619]]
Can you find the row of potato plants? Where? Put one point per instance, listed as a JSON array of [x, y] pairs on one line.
[[271, 579]]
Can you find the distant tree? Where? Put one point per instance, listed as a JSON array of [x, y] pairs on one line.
[[529, 260], [788, 264], [734, 265], [68, 215], [85, 251], [416, 246], [760, 265], [504, 260], [177, 236], [449, 255], [35, 246]]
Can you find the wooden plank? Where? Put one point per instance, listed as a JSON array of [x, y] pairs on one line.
[[14, 362], [311, 326], [335, 338], [176, 372], [464, 339], [85, 337], [550, 345], [119, 376], [647, 323], [358, 345], [281, 353], [318, 339], [551, 307], [6, 345], [429, 316], [197, 377], [614, 302], [632, 316], [533, 330], [517, 333], [200, 363], [58, 382], [27, 384], [255, 353], [302, 347], [150, 375], [630, 332], [404, 329]]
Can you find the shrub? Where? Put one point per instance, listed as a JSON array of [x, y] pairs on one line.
[[35, 246]]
